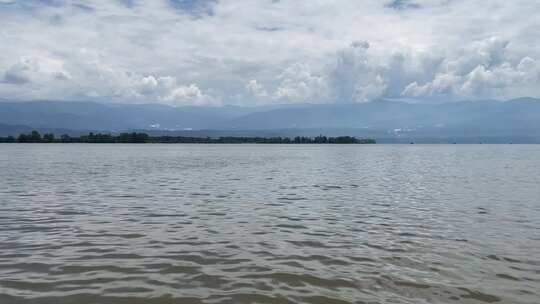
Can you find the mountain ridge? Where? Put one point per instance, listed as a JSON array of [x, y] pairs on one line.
[[513, 118]]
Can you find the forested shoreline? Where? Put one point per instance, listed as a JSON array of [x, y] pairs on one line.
[[135, 137]]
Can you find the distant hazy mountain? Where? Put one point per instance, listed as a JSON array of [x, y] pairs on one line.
[[491, 115], [96, 116], [509, 119]]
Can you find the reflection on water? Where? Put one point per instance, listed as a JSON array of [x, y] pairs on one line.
[[269, 224]]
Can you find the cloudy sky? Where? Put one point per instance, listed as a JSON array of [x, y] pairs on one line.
[[250, 52]]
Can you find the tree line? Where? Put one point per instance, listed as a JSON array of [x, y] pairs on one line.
[[134, 137]]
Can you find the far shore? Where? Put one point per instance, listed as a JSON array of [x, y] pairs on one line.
[[142, 138]]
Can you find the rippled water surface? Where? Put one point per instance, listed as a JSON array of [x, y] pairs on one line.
[[269, 224]]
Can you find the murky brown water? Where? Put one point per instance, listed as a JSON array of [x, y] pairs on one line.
[[269, 224]]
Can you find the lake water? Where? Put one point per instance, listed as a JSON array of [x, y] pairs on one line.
[[269, 223]]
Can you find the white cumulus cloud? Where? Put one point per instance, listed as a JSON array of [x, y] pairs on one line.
[[246, 52]]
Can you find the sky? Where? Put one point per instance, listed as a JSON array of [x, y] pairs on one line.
[[258, 52]]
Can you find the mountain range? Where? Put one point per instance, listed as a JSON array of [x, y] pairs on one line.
[[516, 120]]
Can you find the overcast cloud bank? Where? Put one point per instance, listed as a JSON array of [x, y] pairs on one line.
[[268, 52]]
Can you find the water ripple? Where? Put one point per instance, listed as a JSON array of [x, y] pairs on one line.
[[156, 224]]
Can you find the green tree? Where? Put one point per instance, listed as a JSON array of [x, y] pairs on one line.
[[48, 138], [35, 137], [65, 138]]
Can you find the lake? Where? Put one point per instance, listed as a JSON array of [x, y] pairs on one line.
[[152, 223]]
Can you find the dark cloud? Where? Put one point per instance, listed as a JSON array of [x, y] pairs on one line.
[[84, 7], [196, 8], [128, 3], [402, 4], [56, 20], [269, 28], [15, 77]]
